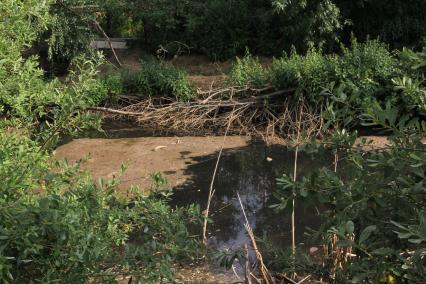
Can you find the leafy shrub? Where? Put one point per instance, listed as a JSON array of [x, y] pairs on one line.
[[362, 74], [68, 33], [158, 79], [411, 86], [309, 73], [413, 93], [365, 66], [248, 72], [343, 86], [348, 82], [262, 26], [105, 89], [368, 67], [56, 224], [75, 230], [372, 206]]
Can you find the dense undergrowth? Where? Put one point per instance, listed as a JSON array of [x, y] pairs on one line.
[[373, 226], [222, 28], [154, 79], [344, 85], [56, 223]]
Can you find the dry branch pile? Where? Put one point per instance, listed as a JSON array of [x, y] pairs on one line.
[[253, 112]]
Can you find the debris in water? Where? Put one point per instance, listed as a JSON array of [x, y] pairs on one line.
[[268, 159], [159, 147], [313, 250]]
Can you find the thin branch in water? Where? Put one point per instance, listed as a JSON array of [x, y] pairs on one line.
[[267, 278], [211, 191], [293, 212]]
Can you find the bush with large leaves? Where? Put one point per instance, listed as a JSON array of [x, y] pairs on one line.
[[372, 204]]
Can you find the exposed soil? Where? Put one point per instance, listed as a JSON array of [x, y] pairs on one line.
[[206, 274], [170, 156], [147, 155], [205, 83], [144, 156]]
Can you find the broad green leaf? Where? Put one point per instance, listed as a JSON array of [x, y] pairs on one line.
[[350, 227], [365, 234]]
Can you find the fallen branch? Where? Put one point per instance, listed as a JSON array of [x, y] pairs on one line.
[[114, 111], [267, 278], [270, 115], [98, 26]]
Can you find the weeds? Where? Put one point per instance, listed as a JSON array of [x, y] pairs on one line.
[[248, 72], [158, 79]]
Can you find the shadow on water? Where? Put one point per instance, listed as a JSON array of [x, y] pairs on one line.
[[246, 170]]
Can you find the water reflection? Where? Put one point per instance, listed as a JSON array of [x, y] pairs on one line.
[[252, 174]]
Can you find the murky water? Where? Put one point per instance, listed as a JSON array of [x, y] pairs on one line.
[[248, 172], [251, 171]]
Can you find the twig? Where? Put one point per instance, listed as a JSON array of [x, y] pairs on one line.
[[287, 278], [211, 191], [110, 110], [304, 279], [108, 39], [235, 272], [264, 271], [293, 221], [247, 267]]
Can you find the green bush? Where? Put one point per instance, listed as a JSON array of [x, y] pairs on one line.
[[157, 79], [57, 225], [309, 73], [368, 67], [411, 86], [222, 28], [373, 204], [343, 85], [248, 72], [267, 27]]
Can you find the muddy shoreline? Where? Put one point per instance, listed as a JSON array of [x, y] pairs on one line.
[[145, 156]]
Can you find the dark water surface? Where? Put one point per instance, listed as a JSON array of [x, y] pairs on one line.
[[247, 171]]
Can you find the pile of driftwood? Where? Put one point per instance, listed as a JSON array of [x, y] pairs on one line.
[[243, 111]]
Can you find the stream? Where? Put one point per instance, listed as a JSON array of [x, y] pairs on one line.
[[251, 172], [246, 167]]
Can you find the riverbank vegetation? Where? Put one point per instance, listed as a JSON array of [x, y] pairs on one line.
[[57, 224], [340, 67]]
